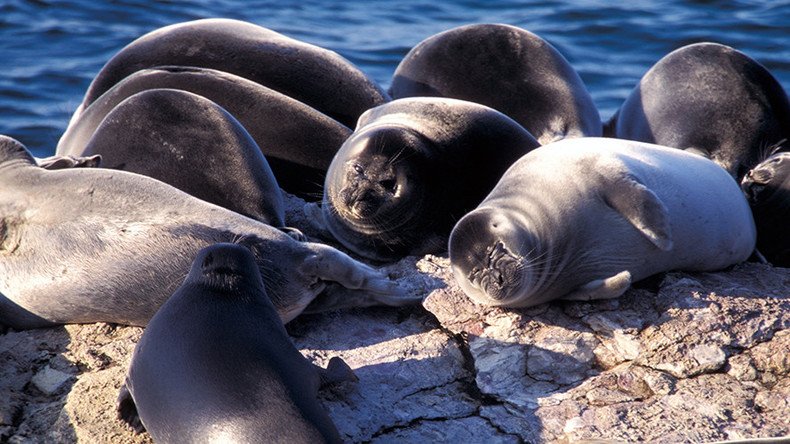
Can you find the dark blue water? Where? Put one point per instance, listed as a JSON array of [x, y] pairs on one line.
[[50, 49]]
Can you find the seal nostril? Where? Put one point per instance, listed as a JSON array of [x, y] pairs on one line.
[[388, 184], [208, 261]]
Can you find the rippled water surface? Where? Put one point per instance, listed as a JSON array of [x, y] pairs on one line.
[[50, 50]]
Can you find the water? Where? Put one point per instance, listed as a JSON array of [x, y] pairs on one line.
[[51, 49]]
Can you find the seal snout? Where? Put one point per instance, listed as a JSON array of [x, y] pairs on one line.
[[760, 181], [225, 260]]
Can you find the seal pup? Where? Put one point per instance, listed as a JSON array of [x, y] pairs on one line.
[[583, 218], [316, 76], [215, 364], [297, 140], [411, 169], [710, 99], [507, 68], [193, 144], [98, 245], [767, 188]]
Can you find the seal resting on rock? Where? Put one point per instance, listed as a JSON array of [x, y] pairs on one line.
[[216, 365], [583, 218], [316, 76], [411, 169], [507, 68], [710, 99], [767, 188], [97, 245]]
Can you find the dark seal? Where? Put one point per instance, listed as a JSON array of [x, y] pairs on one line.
[[216, 365], [767, 188], [709, 99], [412, 168], [507, 68]]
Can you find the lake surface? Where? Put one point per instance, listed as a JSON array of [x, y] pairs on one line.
[[50, 49]]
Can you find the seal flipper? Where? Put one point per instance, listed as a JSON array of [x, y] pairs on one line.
[[12, 149], [63, 162], [642, 208], [336, 371], [609, 288], [127, 410]]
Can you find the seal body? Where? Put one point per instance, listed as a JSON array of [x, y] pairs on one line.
[[583, 218], [710, 99], [767, 188], [411, 169], [216, 365], [193, 144], [97, 245], [507, 68], [297, 140], [308, 73]]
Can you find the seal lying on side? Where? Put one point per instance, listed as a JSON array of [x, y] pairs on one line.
[[216, 365], [767, 188], [507, 68], [298, 141], [583, 218], [98, 245], [308, 73], [193, 144], [411, 169], [710, 99]]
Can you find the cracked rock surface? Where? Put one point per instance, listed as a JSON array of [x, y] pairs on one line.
[[690, 357]]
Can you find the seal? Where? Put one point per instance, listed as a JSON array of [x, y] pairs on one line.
[[710, 99], [193, 144], [583, 218], [215, 364], [411, 169], [507, 68], [767, 188], [298, 141], [97, 245], [316, 76]]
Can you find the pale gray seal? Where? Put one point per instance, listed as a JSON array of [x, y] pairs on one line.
[[507, 68], [316, 76], [97, 245], [411, 169], [297, 140], [216, 365], [710, 99], [583, 218]]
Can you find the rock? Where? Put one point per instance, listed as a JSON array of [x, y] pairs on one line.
[[49, 380]]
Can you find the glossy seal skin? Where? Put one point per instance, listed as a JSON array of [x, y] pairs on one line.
[[297, 140], [216, 365], [313, 75], [583, 218], [193, 144], [507, 68], [767, 188], [96, 245], [411, 169], [709, 99]]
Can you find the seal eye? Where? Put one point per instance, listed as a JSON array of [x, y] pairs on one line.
[[358, 168]]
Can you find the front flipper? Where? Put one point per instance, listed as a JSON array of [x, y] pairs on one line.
[[64, 162], [336, 371], [609, 288], [642, 208], [294, 233], [127, 410]]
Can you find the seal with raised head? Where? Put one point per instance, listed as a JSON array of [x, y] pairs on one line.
[[709, 99], [507, 68], [97, 245], [193, 144], [316, 76], [297, 140], [583, 218], [411, 169], [215, 364], [767, 188]]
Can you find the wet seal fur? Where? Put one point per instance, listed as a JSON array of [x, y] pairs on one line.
[[298, 141], [583, 218], [507, 68], [316, 76], [767, 188], [215, 364], [709, 99], [96, 245], [411, 169]]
